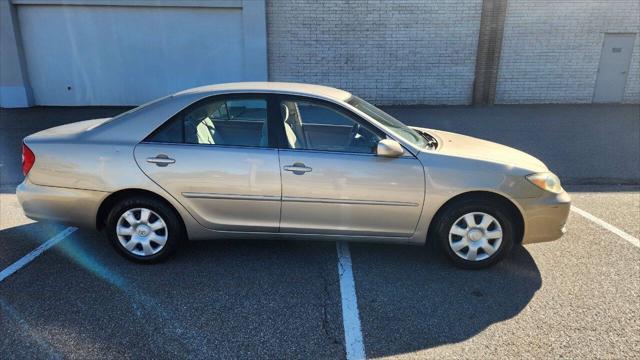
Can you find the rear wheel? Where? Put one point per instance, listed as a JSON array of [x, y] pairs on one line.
[[143, 229], [475, 234]]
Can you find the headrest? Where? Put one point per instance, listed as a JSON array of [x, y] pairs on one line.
[[285, 112]]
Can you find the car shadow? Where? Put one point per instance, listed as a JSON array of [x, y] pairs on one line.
[[257, 299], [413, 299]]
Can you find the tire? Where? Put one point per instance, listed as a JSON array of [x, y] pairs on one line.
[[488, 219], [141, 241]]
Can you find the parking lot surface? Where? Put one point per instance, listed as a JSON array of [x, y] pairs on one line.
[[578, 297], [583, 144]]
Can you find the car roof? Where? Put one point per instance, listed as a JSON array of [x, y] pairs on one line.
[[271, 87]]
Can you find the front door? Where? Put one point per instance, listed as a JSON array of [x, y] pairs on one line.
[[613, 68], [334, 183], [215, 158]]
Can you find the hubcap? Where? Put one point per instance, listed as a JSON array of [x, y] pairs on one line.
[[142, 232], [475, 236]]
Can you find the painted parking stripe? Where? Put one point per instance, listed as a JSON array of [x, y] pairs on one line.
[[350, 315], [633, 240], [35, 253]]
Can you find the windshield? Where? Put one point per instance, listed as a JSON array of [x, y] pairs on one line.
[[395, 126]]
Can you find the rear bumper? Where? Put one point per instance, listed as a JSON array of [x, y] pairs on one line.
[[545, 217], [70, 206]]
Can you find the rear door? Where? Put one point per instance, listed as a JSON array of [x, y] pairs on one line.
[[217, 159], [334, 183]]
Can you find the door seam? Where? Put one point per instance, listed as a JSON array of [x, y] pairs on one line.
[[281, 190]]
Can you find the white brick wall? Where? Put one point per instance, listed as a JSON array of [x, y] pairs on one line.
[[551, 49], [386, 51], [632, 90]]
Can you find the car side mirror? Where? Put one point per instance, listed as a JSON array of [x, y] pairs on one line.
[[389, 148]]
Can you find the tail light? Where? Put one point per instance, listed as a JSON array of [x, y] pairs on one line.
[[28, 159]]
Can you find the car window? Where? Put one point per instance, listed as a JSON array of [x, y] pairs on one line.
[[169, 132], [247, 110], [398, 128], [218, 122], [313, 126]]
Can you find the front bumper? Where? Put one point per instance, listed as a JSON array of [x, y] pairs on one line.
[[69, 206], [545, 217]]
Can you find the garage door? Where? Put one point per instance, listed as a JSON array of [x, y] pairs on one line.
[[127, 55]]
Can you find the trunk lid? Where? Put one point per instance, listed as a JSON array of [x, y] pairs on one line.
[[65, 132]]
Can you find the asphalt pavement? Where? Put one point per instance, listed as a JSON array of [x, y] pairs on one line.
[[578, 297], [583, 144]]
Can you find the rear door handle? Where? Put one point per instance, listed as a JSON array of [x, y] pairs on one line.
[[298, 168], [161, 160]]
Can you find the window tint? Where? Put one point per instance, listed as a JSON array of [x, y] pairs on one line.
[[313, 114], [314, 126], [247, 110], [219, 122], [170, 132]]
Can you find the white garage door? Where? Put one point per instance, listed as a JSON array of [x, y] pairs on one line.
[[124, 55]]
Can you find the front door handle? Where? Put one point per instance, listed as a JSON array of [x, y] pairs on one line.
[[161, 160], [298, 168]]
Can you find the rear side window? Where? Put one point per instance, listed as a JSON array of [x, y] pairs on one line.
[[170, 132], [241, 122]]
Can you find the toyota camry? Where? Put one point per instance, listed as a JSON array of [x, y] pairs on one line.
[[289, 161]]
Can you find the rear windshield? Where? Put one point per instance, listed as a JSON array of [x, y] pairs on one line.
[[132, 111]]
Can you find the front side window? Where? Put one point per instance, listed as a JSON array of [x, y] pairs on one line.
[[241, 122], [314, 126]]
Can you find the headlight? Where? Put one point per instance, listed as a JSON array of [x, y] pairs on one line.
[[546, 181]]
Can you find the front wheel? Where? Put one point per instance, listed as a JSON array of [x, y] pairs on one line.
[[143, 229], [475, 234]]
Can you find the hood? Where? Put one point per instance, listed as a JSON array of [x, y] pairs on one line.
[[469, 147], [65, 132]]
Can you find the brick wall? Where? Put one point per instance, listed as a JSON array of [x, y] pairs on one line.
[[388, 52], [551, 49], [632, 90]]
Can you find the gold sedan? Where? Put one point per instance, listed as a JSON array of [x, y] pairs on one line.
[[284, 160]]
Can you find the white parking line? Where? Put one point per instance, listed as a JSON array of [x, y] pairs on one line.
[[350, 315], [633, 240], [35, 253]]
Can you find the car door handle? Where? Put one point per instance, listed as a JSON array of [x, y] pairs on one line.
[[161, 160], [298, 168]]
